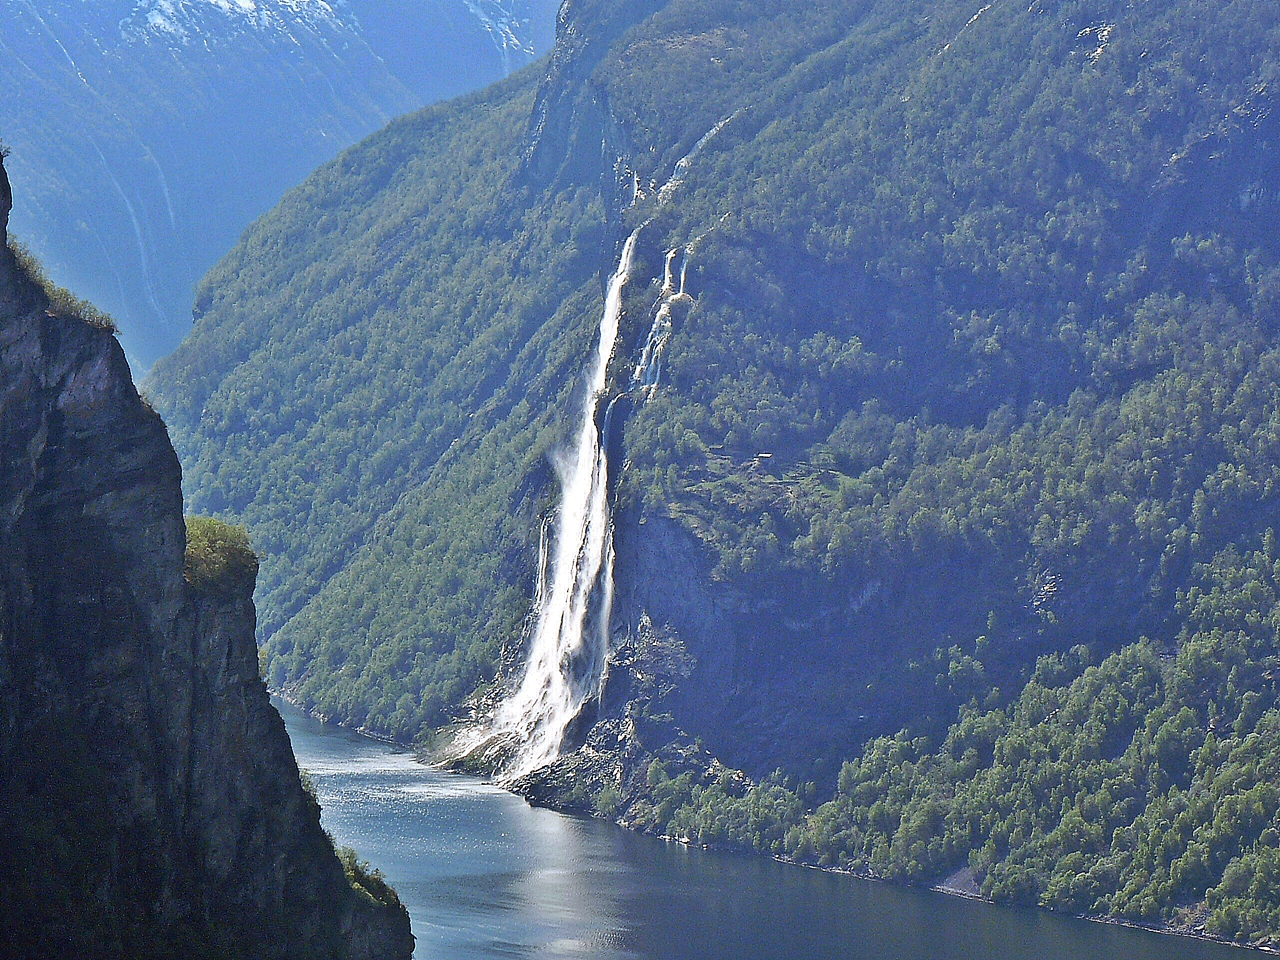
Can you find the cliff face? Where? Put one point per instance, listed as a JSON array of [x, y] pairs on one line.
[[571, 129], [150, 804]]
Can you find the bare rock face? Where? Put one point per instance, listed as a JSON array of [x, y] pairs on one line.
[[150, 804], [6, 205], [570, 123]]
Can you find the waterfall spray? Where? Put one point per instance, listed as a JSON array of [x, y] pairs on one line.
[[569, 644], [569, 648]]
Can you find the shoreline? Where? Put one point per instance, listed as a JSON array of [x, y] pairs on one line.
[[314, 715], [966, 889], [949, 889], [960, 884], [1172, 931]]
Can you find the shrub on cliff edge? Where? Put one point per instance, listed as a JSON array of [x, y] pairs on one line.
[[218, 555], [365, 879], [62, 302]]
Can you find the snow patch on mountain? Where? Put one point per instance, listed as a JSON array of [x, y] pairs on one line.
[[187, 21], [509, 32]]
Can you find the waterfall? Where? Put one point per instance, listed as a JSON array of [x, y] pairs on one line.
[[569, 640], [676, 181], [569, 647], [648, 369]]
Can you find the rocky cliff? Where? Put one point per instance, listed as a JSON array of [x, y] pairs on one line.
[[150, 804]]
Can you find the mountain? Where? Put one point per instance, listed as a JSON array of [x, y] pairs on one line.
[[149, 800], [938, 433], [146, 134]]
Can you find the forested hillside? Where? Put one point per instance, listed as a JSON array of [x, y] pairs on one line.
[[952, 500]]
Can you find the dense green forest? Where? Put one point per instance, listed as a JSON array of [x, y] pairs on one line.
[[1138, 787], [947, 531]]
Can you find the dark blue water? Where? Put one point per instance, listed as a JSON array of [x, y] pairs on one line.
[[484, 875]]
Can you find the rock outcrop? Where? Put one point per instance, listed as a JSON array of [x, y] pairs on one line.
[[570, 125], [150, 804]]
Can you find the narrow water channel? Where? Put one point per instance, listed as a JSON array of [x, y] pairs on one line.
[[484, 875]]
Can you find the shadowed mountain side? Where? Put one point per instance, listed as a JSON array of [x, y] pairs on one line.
[[149, 800], [147, 135]]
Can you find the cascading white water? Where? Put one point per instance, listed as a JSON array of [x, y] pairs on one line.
[[569, 648], [648, 369], [676, 180]]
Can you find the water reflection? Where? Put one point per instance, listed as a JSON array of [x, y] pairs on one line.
[[481, 872], [484, 875]]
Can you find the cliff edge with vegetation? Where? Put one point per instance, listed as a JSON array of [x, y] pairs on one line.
[[150, 805]]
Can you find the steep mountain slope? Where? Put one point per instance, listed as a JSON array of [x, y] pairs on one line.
[[147, 133], [149, 800], [966, 381]]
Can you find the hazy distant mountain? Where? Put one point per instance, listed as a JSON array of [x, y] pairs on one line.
[[146, 134]]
